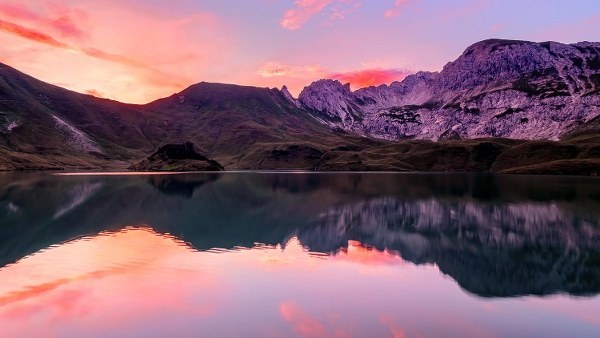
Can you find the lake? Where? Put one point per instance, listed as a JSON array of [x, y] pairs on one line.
[[299, 255]]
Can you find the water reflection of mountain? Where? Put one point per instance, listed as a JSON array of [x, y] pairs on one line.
[[489, 249], [496, 236]]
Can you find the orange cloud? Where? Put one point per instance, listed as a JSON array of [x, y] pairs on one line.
[[273, 68], [277, 69], [370, 77]]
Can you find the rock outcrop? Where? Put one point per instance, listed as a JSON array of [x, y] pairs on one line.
[[496, 88], [177, 157]]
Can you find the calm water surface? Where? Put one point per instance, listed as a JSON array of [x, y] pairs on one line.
[[299, 255]]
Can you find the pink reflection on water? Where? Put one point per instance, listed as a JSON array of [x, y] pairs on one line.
[[138, 283], [302, 322], [395, 331], [90, 283]]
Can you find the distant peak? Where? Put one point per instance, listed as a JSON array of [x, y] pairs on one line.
[[491, 45], [288, 96]]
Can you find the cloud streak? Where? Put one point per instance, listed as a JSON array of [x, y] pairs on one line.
[[122, 59], [305, 9], [31, 34], [41, 37], [294, 19], [58, 18]]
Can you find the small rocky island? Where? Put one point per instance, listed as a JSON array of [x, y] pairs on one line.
[[177, 157]]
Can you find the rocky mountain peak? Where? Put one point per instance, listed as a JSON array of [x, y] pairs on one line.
[[495, 88], [288, 96], [328, 97]]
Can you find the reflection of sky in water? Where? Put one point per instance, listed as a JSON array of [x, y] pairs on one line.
[[137, 283]]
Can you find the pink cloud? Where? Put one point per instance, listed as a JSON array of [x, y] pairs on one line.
[[44, 38], [399, 6], [31, 34], [60, 19], [295, 18], [90, 49], [341, 13], [305, 9]]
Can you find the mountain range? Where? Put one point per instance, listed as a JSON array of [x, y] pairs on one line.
[[496, 88], [502, 106]]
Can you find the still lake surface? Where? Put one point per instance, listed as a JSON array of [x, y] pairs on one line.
[[299, 255]]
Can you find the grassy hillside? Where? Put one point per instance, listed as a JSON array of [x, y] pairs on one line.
[[47, 127]]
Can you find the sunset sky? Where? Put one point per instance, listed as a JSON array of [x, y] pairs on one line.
[[140, 50]]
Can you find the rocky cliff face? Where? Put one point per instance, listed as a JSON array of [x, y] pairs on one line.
[[498, 88]]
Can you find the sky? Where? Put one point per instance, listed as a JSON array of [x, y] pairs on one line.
[[137, 51]]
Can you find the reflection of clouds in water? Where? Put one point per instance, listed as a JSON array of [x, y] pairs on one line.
[[493, 246], [135, 281], [78, 195], [99, 279], [303, 324]]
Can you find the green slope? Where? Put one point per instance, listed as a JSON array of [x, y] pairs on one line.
[[43, 126]]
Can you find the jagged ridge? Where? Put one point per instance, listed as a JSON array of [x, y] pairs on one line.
[[496, 88]]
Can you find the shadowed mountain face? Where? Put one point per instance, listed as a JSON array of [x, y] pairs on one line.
[[245, 127], [44, 126], [496, 236]]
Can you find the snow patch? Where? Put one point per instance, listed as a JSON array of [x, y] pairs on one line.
[[8, 122], [76, 138]]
